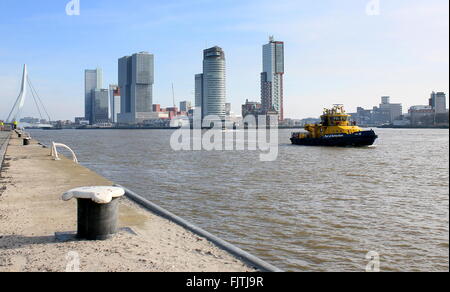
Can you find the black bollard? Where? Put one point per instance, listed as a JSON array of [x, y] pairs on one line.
[[26, 141], [97, 221]]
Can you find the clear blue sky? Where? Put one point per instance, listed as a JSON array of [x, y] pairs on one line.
[[335, 52]]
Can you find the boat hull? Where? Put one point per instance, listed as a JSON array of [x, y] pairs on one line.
[[360, 139]]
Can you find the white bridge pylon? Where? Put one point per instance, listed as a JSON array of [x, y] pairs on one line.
[[14, 115]]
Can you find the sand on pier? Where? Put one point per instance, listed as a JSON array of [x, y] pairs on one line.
[[31, 211]]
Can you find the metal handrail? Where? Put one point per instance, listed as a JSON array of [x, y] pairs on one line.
[[54, 151]]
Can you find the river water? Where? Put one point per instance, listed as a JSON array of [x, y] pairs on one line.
[[313, 209]]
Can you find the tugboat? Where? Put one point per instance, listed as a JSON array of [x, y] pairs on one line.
[[336, 130]]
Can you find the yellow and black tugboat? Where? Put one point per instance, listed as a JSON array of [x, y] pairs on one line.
[[336, 129]]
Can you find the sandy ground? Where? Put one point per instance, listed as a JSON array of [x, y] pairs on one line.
[[31, 211]]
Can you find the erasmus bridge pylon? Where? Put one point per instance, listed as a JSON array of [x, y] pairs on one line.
[[16, 111], [14, 115]]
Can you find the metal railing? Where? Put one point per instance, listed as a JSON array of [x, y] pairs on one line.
[[54, 151]]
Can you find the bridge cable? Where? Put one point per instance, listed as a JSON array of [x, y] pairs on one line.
[[43, 106], [37, 105]]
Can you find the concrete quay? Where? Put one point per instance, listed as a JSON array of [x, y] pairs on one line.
[[31, 212]]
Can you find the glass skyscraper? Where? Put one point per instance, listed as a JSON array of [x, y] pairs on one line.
[[93, 79], [210, 87], [136, 79], [272, 97], [100, 106]]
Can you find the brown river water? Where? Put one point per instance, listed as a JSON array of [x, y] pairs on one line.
[[313, 209]]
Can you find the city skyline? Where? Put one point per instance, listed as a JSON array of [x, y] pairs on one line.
[[329, 60]]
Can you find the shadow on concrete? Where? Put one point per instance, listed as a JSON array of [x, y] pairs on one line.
[[19, 241]]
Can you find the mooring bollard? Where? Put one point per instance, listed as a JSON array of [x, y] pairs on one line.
[[98, 211], [26, 141]]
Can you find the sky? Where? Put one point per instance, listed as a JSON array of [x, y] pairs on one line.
[[348, 52]]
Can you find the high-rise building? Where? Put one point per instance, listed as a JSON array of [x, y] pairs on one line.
[[438, 102], [210, 87], [392, 111], [100, 106], [199, 92], [93, 79], [185, 106], [114, 102], [136, 79], [251, 108], [272, 98]]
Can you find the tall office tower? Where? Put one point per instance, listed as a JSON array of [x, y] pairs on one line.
[[272, 77], [100, 106], [438, 102], [199, 92], [136, 79], [93, 79], [210, 91], [114, 102]]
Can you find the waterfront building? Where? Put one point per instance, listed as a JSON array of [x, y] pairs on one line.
[[272, 98], [157, 108], [228, 109], [93, 79], [252, 108], [114, 102], [438, 102], [100, 106], [210, 87], [30, 120], [185, 106], [362, 116], [421, 115], [81, 121], [136, 79], [395, 110], [385, 113]]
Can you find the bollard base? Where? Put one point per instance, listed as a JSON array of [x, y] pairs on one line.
[[97, 221]]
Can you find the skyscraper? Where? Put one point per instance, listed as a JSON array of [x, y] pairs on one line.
[[438, 102], [114, 101], [199, 92], [272, 77], [210, 90], [136, 79], [100, 106], [93, 79]]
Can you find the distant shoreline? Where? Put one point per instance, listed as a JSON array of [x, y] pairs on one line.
[[280, 128], [414, 127]]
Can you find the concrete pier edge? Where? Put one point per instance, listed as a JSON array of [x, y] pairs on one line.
[[240, 254], [3, 149]]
